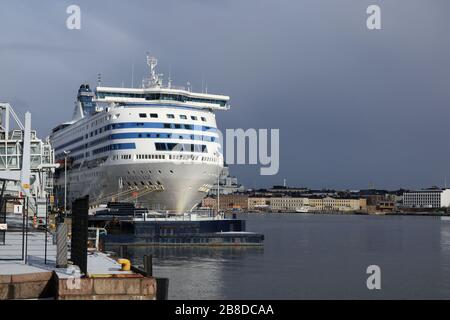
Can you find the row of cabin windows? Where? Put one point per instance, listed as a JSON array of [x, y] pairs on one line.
[[172, 116], [164, 157], [152, 115], [123, 157], [186, 147], [150, 156], [119, 126]]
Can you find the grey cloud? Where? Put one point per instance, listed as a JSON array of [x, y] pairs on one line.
[[353, 106]]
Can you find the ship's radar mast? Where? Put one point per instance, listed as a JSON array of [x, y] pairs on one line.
[[155, 79]]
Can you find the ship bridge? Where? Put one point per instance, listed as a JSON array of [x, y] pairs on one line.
[[154, 91]]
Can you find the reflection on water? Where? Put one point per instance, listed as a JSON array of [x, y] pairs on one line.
[[194, 272], [313, 257], [170, 255]]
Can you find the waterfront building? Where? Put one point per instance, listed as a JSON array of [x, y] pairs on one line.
[[227, 202], [317, 204], [258, 203], [428, 198], [344, 204], [286, 204]]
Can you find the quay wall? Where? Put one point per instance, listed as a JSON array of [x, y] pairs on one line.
[[49, 285]]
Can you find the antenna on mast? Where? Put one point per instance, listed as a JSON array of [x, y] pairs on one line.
[[169, 82], [132, 74], [155, 78], [99, 79], [204, 83]]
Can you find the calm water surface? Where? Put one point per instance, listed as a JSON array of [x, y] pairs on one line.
[[315, 257]]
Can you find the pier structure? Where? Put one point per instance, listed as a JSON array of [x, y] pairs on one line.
[[27, 163]]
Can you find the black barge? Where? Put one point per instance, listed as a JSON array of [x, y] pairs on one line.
[[128, 226]]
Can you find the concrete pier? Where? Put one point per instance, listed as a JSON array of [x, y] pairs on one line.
[[36, 279]]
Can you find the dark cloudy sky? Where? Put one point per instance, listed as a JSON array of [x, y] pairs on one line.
[[353, 106]]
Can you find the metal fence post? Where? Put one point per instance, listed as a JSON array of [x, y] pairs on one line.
[[46, 228], [123, 251], [148, 265], [162, 289], [26, 230], [61, 245]]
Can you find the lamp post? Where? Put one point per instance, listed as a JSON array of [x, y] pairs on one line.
[[219, 170], [218, 191], [66, 154]]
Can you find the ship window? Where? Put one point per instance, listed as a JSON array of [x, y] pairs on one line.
[[166, 125], [193, 117], [142, 115], [171, 116], [183, 117], [153, 115], [177, 126], [203, 119]]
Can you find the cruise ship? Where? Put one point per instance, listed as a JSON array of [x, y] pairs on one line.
[[157, 146]]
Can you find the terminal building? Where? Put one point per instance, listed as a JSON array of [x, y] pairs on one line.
[[428, 198]]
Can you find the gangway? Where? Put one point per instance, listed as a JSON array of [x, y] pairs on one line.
[[27, 163]]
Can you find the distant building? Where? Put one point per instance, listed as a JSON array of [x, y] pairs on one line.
[[227, 184], [428, 198], [337, 204], [317, 204], [285, 189], [258, 203], [286, 204], [227, 202]]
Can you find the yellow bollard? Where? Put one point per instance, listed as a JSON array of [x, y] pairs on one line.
[[126, 264]]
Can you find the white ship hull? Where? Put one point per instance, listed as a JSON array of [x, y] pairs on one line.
[[168, 186]]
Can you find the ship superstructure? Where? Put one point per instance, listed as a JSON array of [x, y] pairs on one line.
[[157, 145]]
